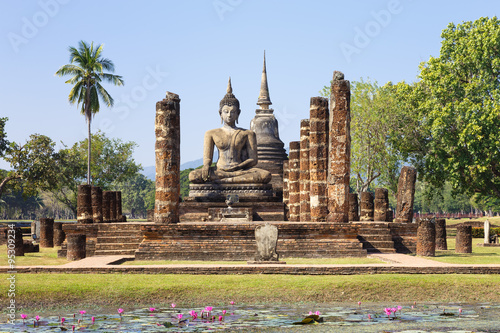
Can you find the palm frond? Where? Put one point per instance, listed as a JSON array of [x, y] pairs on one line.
[[94, 101], [69, 70], [107, 64], [106, 97], [117, 80]]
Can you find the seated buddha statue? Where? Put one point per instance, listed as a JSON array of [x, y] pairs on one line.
[[237, 150]]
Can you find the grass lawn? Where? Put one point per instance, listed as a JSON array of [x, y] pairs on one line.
[[452, 222], [45, 291], [479, 255], [46, 256], [289, 261]]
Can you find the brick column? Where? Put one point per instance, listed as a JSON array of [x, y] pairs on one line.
[[353, 207], [106, 206], [441, 235], [285, 188], [340, 149], [294, 181], [381, 205], [463, 243], [426, 238], [18, 242], [168, 160], [96, 195], [76, 246], [112, 206], [84, 204], [305, 203], [318, 158], [118, 207], [366, 208], [59, 235], [46, 232], [406, 194]]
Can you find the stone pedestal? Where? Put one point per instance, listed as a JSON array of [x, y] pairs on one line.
[[406, 194], [84, 204], [214, 191], [366, 206], [318, 158], [463, 243], [76, 246], [381, 204], [46, 232], [304, 184], [266, 239], [426, 238], [230, 214], [294, 181], [441, 235], [353, 207], [97, 204], [106, 206], [340, 149], [168, 160], [59, 235]]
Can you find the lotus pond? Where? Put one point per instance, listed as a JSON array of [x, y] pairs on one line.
[[358, 318]]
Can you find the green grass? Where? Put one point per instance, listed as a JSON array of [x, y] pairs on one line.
[[46, 291], [289, 261], [46, 256], [453, 222], [479, 255]]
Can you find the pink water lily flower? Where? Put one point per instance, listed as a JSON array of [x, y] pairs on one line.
[[173, 305], [399, 307], [232, 302], [208, 308], [369, 317], [193, 314], [37, 318], [179, 316], [93, 320], [152, 309], [220, 318], [63, 320], [23, 317], [359, 303], [317, 313], [224, 312], [120, 311], [310, 313], [82, 312], [388, 311]]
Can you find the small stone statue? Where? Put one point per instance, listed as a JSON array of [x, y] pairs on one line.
[[237, 150], [266, 237]]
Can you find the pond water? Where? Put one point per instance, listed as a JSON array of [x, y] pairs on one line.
[[421, 318]]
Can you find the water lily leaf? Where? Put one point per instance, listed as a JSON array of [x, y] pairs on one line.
[[167, 324]]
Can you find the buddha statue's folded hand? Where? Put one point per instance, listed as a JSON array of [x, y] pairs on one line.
[[205, 173]]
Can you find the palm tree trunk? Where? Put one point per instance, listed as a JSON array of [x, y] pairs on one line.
[[88, 155]]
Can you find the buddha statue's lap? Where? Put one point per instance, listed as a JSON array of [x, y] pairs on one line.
[[237, 151]]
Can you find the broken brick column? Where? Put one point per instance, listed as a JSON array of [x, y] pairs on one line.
[[366, 209], [106, 206], [59, 235], [18, 242], [441, 235], [426, 238], [463, 243], [46, 232], [96, 195], [353, 207], [340, 149], [84, 204], [294, 181], [406, 194], [112, 206], [305, 204], [381, 205], [285, 188], [168, 159], [77, 246], [118, 206], [318, 158]]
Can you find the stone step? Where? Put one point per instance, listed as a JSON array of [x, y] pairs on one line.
[[375, 231], [118, 239], [114, 252], [119, 227], [117, 246], [386, 238], [381, 250]]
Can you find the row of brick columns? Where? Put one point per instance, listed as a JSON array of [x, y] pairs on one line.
[[431, 236], [97, 206], [316, 177]]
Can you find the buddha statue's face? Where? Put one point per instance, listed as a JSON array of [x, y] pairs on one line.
[[229, 114]]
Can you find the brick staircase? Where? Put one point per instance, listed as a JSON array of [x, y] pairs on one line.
[[376, 237], [118, 239]]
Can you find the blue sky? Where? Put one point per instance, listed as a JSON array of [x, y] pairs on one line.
[[191, 47]]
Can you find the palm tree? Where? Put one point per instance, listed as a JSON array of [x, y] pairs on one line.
[[87, 66]]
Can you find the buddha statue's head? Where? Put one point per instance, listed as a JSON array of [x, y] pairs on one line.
[[230, 100]]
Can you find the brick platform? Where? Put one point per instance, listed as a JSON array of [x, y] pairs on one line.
[[236, 241]]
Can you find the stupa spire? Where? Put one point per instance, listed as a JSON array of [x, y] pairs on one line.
[[264, 101]]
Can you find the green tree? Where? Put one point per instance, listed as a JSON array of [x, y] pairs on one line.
[[87, 68], [4, 144], [460, 109], [35, 165], [112, 163], [138, 195]]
